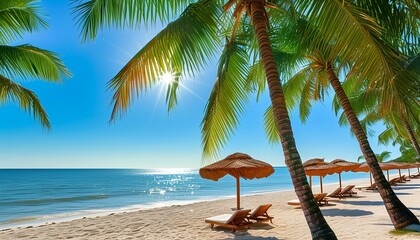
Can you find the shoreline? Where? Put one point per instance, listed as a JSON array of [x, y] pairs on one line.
[[41, 220], [365, 212]]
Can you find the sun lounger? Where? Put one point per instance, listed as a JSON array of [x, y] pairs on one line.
[[232, 221], [320, 198], [260, 214], [348, 191], [405, 178], [394, 181], [372, 187], [336, 193]]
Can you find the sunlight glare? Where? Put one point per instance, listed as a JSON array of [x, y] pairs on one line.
[[167, 78]]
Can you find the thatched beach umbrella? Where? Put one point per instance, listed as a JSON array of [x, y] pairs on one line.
[[385, 166], [238, 165], [317, 167], [399, 166], [344, 166]]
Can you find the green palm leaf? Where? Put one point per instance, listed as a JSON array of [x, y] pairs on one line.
[[356, 36], [26, 61], [171, 93], [93, 15], [227, 100], [18, 17], [270, 127], [183, 46], [11, 91]]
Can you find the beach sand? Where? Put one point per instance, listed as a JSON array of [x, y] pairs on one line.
[[361, 217]]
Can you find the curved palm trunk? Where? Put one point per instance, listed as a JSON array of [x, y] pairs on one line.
[[412, 137], [400, 215], [318, 226]]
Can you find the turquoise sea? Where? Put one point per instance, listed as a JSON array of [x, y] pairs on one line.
[[34, 196]]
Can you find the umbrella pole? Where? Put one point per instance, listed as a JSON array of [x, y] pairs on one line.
[[387, 174], [339, 178], [238, 193], [399, 170], [310, 181], [370, 175], [409, 173], [320, 181]]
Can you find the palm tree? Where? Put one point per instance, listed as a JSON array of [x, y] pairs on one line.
[[182, 47], [346, 39], [25, 61]]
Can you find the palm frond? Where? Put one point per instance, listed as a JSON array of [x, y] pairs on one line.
[[270, 127], [26, 61], [227, 100], [27, 100], [171, 93], [18, 17], [387, 136], [183, 46], [353, 36], [256, 79], [400, 20], [93, 15]]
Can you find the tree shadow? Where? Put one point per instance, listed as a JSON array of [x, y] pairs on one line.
[[404, 188], [411, 185], [413, 208], [403, 193], [345, 212], [359, 203]]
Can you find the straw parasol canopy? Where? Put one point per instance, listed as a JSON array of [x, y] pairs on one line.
[[403, 165], [385, 166], [344, 166], [238, 165], [318, 167]]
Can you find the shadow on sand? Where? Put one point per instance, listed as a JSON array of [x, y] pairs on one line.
[[398, 188], [345, 212], [244, 234], [368, 203], [403, 193], [415, 185]]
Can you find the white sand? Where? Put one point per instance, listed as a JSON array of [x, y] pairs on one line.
[[361, 217]]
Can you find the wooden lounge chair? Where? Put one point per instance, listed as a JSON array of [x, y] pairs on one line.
[[232, 221], [372, 187], [260, 214], [404, 178], [336, 193], [348, 191], [321, 198], [394, 181]]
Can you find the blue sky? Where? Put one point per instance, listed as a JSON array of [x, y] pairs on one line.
[[148, 136]]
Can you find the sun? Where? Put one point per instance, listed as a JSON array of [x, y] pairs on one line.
[[167, 78]]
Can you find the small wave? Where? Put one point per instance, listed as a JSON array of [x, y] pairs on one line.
[[53, 200], [19, 220], [157, 191]]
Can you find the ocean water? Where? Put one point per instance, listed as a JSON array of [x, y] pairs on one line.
[[35, 196]]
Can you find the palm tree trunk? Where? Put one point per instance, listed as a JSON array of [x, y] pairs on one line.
[[412, 137], [400, 215], [318, 226]]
